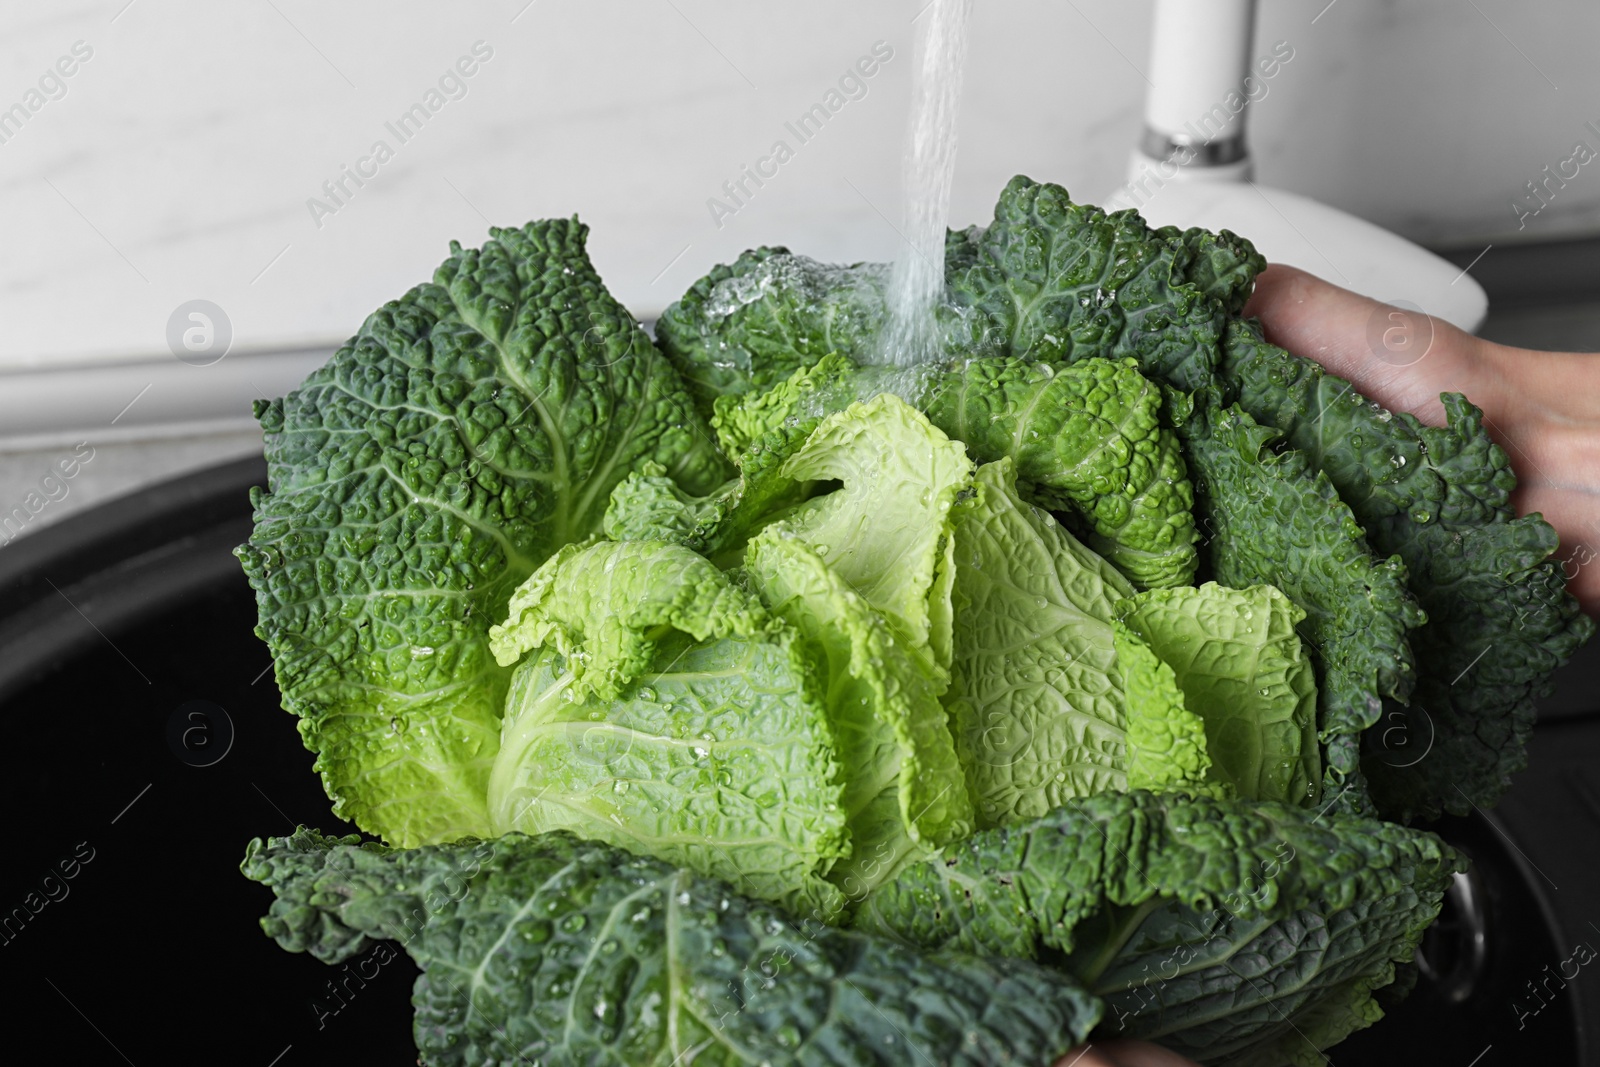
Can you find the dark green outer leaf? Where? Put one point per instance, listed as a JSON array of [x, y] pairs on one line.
[[748, 325], [1390, 469], [554, 951], [1221, 265], [1499, 617], [1210, 923], [471, 428], [1047, 280], [1274, 519], [1057, 281], [1260, 993]]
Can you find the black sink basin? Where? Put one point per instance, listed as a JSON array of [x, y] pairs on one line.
[[148, 747]]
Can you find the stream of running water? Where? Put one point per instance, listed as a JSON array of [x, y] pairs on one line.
[[917, 281]]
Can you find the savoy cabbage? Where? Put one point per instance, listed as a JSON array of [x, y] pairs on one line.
[[739, 701]]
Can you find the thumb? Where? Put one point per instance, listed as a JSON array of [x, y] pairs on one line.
[[1401, 358]]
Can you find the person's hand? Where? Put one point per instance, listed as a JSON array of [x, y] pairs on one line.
[[1543, 408], [1122, 1053]]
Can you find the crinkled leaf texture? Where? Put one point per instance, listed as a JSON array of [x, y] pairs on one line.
[[815, 389], [469, 430], [748, 325], [1088, 437], [1439, 498], [1436, 498], [707, 746], [604, 606], [760, 432], [903, 789], [1215, 926], [1166, 741], [1055, 281], [1048, 280], [864, 572], [1235, 655], [1274, 519], [886, 530], [1035, 700], [649, 506], [565, 953]]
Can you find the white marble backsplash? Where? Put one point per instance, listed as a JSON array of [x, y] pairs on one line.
[[177, 160]]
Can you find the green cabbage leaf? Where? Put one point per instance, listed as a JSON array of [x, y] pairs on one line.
[[1234, 932], [566, 953]]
